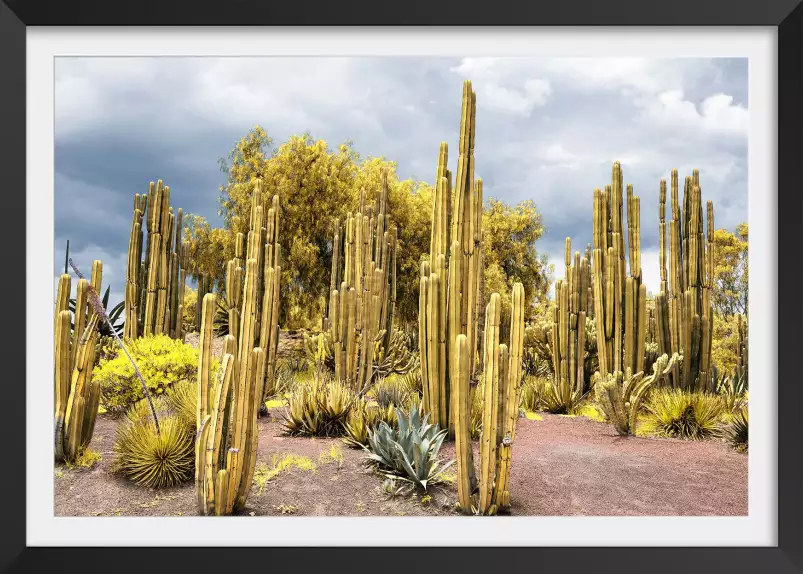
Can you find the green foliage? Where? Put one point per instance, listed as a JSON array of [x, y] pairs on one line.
[[477, 407], [682, 414], [288, 372], [264, 473], [560, 399], [730, 271], [163, 362], [86, 458], [509, 237], [410, 452], [362, 417], [155, 459]]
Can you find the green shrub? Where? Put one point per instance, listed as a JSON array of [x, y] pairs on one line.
[[409, 452], [161, 360], [391, 390], [681, 414]]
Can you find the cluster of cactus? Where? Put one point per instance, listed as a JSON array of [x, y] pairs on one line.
[[154, 294], [205, 284], [362, 297], [569, 326], [262, 245], [500, 388], [77, 396], [620, 297], [683, 307], [620, 395], [449, 297]]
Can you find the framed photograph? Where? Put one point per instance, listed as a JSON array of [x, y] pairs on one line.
[[462, 286]]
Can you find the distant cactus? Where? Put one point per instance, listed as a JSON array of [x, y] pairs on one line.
[[154, 291], [684, 310], [362, 296]]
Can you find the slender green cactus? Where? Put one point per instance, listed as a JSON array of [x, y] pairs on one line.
[[227, 438], [76, 395], [154, 295], [568, 331], [362, 291], [683, 308], [449, 299], [501, 390], [620, 297]]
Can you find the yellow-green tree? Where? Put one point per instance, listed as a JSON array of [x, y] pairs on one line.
[[509, 239], [730, 271]]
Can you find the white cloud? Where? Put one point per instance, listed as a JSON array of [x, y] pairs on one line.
[[488, 76], [716, 114]]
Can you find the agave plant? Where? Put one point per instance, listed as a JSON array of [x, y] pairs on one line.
[[409, 452], [733, 388], [116, 322], [737, 431]]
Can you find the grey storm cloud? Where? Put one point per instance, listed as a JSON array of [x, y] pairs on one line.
[[548, 130]]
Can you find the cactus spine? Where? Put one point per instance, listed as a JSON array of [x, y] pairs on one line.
[[154, 295], [568, 331], [501, 388], [620, 298], [76, 395], [684, 308], [449, 298], [362, 290]]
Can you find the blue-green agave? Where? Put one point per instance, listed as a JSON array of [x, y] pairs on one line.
[[409, 452]]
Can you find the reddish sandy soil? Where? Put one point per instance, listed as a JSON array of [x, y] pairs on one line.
[[561, 466]]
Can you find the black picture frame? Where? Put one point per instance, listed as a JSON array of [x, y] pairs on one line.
[[787, 15]]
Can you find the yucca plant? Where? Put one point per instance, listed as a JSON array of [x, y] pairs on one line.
[[732, 388], [182, 400], [391, 391], [533, 392], [151, 457], [409, 452], [682, 414], [737, 430], [560, 399]]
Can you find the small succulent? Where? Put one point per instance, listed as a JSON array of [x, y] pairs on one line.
[[409, 452]]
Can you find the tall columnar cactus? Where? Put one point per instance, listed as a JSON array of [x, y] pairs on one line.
[[363, 290], [262, 245], [154, 295], [569, 325], [226, 442], [684, 309], [500, 388], [449, 297], [76, 395], [620, 297]]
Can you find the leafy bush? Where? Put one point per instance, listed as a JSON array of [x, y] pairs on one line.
[[681, 414], [151, 459], [410, 452], [188, 311], [163, 362]]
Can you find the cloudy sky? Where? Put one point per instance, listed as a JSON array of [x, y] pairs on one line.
[[547, 130]]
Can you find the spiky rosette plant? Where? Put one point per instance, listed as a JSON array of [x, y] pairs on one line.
[[409, 452], [154, 458]]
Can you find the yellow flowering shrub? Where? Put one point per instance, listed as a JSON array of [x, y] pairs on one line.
[[162, 361]]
